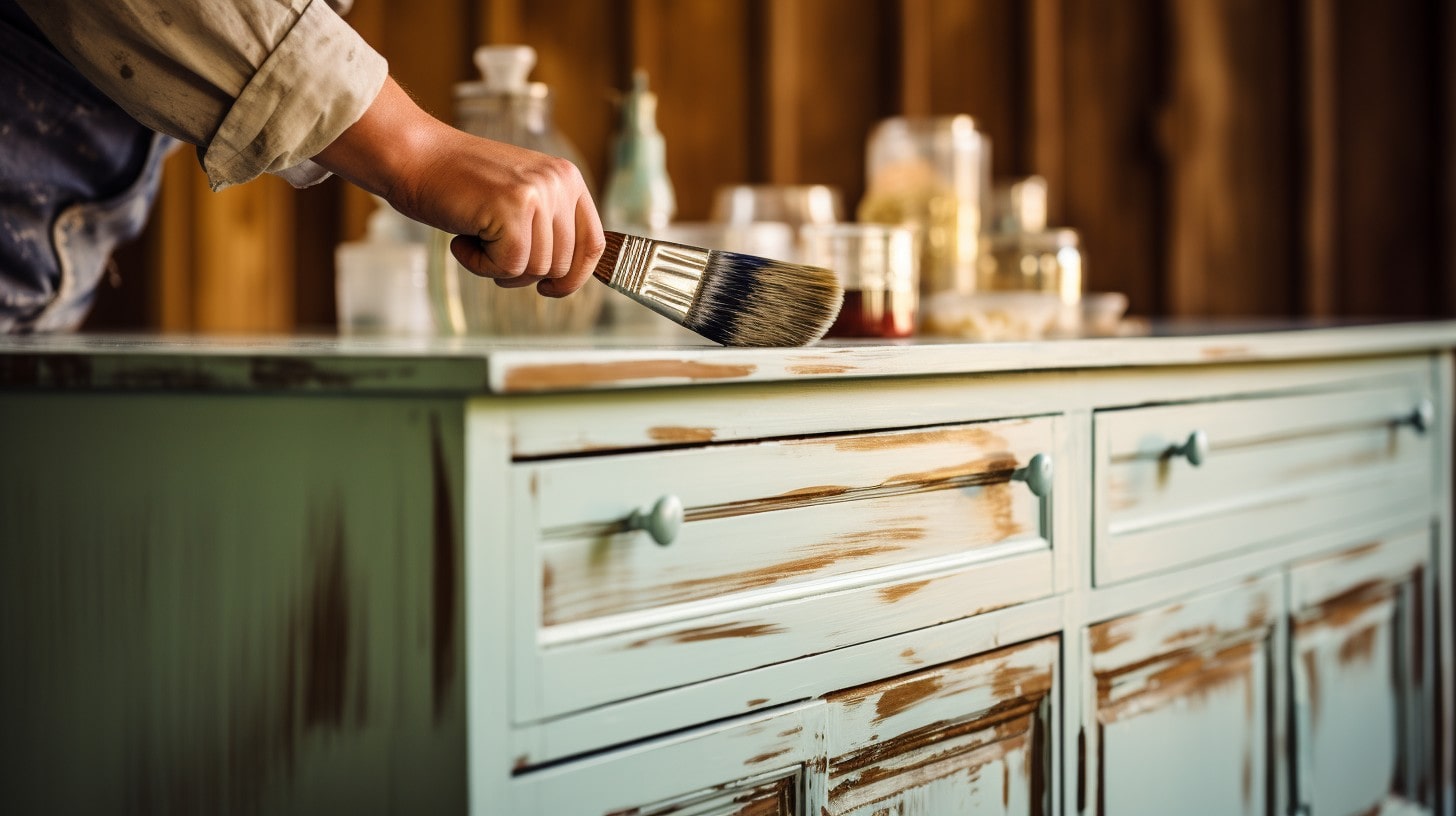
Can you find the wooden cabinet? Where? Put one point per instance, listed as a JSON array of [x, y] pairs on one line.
[[845, 581], [1186, 705], [1363, 708]]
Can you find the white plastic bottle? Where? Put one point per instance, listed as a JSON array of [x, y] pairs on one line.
[[380, 282]]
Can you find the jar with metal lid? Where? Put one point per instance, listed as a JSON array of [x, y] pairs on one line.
[[505, 107]]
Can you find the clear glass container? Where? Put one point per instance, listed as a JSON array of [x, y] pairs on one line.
[[505, 107], [932, 173], [878, 265], [1048, 261]]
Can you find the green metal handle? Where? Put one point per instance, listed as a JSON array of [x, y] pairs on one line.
[[662, 522], [1037, 474], [1194, 448], [1422, 417]]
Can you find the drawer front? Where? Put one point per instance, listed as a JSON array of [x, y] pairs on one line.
[[787, 548], [1272, 468]]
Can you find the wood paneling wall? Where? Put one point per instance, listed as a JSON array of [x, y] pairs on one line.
[[1220, 157]]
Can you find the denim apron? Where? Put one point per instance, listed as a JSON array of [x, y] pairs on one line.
[[77, 178]]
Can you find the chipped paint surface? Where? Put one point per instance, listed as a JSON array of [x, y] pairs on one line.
[[895, 592], [968, 736], [680, 434], [1193, 667], [706, 633], [551, 377], [812, 369]]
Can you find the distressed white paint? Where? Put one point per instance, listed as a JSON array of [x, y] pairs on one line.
[[711, 770], [1276, 468], [1360, 708], [1185, 704], [967, 737]]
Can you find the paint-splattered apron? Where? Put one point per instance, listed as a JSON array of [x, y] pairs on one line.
[[77, 177]]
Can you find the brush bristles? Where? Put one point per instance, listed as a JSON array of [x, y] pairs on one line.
[[749, 301]]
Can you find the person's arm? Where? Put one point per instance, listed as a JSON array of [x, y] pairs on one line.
[[519, 216], [266, 85]]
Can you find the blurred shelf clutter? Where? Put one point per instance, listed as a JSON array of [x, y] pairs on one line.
[[936, 246]]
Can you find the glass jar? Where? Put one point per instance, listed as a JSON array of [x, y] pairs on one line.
[[878, 266], [1048, 261], [932, 173], [504, 107]]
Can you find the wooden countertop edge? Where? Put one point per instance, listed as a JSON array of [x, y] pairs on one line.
[[80, 362]]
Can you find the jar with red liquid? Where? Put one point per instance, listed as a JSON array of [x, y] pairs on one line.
[[879, 267]]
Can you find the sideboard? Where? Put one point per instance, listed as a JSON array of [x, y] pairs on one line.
[[1203, 572]]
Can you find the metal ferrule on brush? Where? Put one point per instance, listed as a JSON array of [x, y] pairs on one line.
[[663, 277]]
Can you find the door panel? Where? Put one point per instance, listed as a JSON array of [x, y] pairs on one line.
[[1185, 705], [1358, 648]]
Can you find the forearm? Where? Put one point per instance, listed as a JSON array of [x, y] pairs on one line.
[[379, 151]]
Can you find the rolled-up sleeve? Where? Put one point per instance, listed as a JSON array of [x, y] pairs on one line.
[[259, 86]]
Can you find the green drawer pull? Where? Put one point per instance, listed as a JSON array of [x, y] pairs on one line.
[[662, 522], [1422, 417], [1194, 448], [1037, 474]]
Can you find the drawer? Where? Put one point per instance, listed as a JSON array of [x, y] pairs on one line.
[[1268, 469], [787, 548]]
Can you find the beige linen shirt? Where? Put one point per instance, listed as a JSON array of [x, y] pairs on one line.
[[259, 86]]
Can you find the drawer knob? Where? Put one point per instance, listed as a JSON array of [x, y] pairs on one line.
[[662, 522], [1037, 474], [1422, 417], [1194, 448]]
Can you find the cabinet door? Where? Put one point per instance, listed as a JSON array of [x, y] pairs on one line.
[[1360, 653], [1185, 706], [766, 765], [966, 737]]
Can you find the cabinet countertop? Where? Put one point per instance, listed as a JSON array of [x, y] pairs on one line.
[[607, 362]]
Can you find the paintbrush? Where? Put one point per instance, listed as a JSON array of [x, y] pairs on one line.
[[727, 297]]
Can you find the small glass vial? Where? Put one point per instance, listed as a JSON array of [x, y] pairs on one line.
[[879, 267]]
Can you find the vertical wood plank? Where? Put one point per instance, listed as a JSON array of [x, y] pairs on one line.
[[1045, 128], [243, 257], [1113, 181], [916, 24], [978, 69], [847, 74], [1228, 134], [781, 92], [171, 244], [1321, 147], [1388, 231]]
